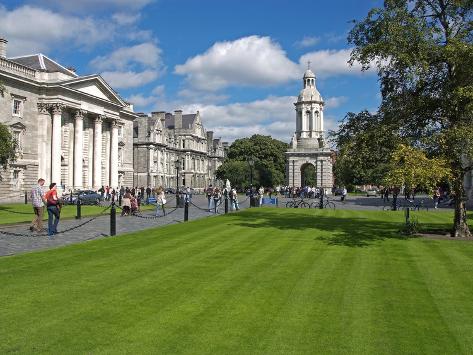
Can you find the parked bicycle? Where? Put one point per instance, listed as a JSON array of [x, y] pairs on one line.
[[401, 204], [297, 204], [327, 203]]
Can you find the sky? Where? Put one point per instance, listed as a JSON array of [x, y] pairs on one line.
[[240, 63]]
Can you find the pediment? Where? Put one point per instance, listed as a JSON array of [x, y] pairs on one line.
[[18, 125], [97, 87]]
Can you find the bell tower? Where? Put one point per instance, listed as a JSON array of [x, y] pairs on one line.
[[308, 143]]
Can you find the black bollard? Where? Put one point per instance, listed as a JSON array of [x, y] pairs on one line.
[[186, 211], [26, 198], [321, 206], [226, 204], [113, 219], [408, 217], [79, 212]]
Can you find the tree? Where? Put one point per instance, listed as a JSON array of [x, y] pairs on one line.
[[269, 155], [423, 53], [365, 142], [411, 168], [7, 147]]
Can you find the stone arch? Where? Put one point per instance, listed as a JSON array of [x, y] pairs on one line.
[[308, 174]]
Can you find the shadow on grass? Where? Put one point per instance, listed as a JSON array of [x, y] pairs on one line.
[[12, 210], [342, 231]]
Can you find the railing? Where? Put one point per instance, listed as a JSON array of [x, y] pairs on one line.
[[17, 68]]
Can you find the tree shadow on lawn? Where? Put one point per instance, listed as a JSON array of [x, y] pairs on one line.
[[342, 231], [9, 209]]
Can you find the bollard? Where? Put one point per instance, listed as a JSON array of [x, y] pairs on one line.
[[408, 217], [119, 199], [26, 198], [78, 214], [226, 205], [186, 211], [113, 220]]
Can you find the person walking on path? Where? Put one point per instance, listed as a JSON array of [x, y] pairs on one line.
[[436, 198], [234, 200], [209, 193], [344, 194], [54, 211], [261, 195], [217, 196], [160, 202], [38, 200]]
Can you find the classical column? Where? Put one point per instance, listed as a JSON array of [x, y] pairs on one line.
[[56, 138], [97, 181], [44, 118], [114, 154], [78, 148]]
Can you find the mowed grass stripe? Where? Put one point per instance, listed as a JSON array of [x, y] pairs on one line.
[[260, 281]]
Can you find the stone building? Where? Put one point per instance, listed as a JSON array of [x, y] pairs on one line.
[[163, 138], [70, 129], [307, 149]]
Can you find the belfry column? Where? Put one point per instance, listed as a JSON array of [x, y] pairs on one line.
[[114, 154], [78, 147], [97, 181], [56, 138]]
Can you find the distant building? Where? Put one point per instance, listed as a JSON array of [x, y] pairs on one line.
[[163, 138], [307, 149], [70, 129]]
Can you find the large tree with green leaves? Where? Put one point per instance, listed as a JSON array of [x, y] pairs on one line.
[[269, 157], [423, 52], [364, 142]]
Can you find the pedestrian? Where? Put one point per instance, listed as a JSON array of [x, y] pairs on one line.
[[217, 196], [209, 193], [261, 195], [38, 200], [344, 194], [436, 198], [102, 192], [148, 193], [234, 199], [54, 209], [107, 193], [160, 201], [126, 204]]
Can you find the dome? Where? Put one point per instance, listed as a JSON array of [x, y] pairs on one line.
[[309, 74], [309, 94]]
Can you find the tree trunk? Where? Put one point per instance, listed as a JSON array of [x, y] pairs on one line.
[[460, 226]]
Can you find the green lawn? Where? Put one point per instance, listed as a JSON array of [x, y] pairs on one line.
[[262, 281], [20, 213]]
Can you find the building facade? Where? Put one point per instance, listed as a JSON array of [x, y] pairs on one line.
[[70, 129], [307, 149], [174, 150]]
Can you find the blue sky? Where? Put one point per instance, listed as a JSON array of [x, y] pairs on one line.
[[239, 63]]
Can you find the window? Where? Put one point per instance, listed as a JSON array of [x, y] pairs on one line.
[[17, 107], [120, 131]]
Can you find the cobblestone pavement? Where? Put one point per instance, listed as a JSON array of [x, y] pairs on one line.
[[99, 227]]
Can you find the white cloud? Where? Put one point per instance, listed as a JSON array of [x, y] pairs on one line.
[[140, 101], [327, 63], [158, 90], [93, 5], [125, 19], [144, 54], [129, 79], [252, 60], [307, 41], [43, 29], [336, 101]]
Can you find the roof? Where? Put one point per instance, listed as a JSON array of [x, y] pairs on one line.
[[309, 74], [309, 94], [41, 62], [187, 120]]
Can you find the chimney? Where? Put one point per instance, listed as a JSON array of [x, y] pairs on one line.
[[178, 119], [210, 137], [3, 47]]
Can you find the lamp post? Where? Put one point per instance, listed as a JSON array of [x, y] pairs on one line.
[[177, 165], [251, 163]]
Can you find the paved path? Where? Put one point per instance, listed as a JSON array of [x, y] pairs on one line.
[[98, 227]]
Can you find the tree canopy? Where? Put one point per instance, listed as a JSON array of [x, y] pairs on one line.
[[7, 147], [423, 51], [268, 154]]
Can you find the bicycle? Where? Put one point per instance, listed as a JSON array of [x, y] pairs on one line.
[[326, 204], [297, 204]]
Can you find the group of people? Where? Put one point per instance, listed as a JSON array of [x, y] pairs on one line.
[[53, 204], [214, 198]]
